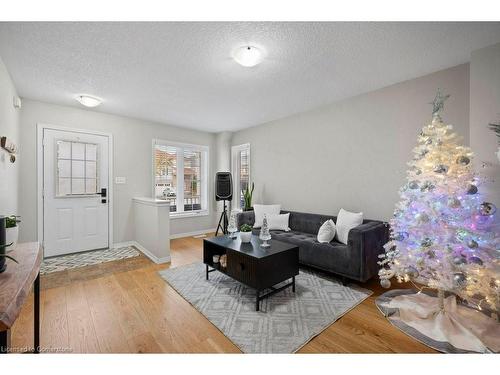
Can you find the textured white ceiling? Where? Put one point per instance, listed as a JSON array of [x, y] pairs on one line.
[[182, 73]]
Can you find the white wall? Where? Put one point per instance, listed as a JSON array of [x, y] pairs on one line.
[[485, 109], [132, 159], [351, 153], [9, 127]]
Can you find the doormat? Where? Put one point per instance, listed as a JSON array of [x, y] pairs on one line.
[[87, 258]]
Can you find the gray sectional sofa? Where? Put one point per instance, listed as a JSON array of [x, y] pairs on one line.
[[357, 260]]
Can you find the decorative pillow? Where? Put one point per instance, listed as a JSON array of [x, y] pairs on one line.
[[345, 222], [278, 222], [326, 231], [261, 209]]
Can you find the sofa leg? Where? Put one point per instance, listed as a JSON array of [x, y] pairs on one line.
[[344, 280]]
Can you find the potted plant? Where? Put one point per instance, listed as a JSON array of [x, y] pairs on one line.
[[247, 197], [12, 229], [245, 233], [4, 256]]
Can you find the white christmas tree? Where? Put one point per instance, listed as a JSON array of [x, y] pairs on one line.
[[443, 235]]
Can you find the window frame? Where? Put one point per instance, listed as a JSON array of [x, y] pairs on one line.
[[204, 170], [235, 171]]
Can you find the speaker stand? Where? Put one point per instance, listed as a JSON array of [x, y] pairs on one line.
[[223, 221]]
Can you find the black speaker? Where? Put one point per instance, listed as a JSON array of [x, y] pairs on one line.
[[223, 186]]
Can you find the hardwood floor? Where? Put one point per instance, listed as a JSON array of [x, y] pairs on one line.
[[125, 307]]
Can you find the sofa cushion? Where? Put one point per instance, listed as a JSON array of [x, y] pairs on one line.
[[264, 209]]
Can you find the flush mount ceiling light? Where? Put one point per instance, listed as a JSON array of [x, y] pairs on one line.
[[89, 101], [248, 56]]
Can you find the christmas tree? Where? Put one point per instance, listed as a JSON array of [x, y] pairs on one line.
[[443, 235]]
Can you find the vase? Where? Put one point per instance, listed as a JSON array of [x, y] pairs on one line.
[[245, 236], [11, 235]]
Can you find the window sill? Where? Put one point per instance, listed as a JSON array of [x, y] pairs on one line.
[[181, 215]]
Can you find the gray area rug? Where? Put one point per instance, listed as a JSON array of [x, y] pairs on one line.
[[392, 314], [287, 320], [87, 258]]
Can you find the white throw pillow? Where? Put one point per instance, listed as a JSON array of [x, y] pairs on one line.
[[326, 231], [345, 222], [278, 222], [261, 209]]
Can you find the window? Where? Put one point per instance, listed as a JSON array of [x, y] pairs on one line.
[[180, 176], [240, 156], [76, 168]]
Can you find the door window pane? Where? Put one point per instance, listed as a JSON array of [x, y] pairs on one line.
[[77, 186], [64, 168], [90, 152], [77, 151], [63, 150], [90, 186], [77, 168], [90, 169]]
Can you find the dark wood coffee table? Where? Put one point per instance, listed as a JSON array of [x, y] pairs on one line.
[[250, 264]]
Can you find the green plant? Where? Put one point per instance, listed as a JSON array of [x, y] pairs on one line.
[[11, 221], [246, 228], [247, 196], [5, 255]]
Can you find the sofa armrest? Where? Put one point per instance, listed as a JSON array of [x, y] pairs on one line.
[[366, 241], [245, 217]]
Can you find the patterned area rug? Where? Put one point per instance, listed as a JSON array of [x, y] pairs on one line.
[[87, 258], [287, 320]]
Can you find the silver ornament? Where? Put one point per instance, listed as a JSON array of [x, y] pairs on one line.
[[454, 202], [411, 271], [422, 217], [487, 209], [476, 260], [472, 189], [413, 185], [401, 236], [463, 160], [459, 279], [428, 142], [385, 283], [441, 168], [459, 261], [427, 186], [472, 244], [426, 242]]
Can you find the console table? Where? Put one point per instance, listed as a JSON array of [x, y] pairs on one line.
[[15, 286]]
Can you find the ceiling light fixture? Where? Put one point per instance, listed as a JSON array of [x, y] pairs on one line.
[[89, 101], [248, 56]]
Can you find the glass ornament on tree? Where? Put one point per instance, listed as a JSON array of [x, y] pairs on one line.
[[445, 237], [264, 234]]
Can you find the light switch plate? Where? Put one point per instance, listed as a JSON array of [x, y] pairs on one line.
[[120, 180]]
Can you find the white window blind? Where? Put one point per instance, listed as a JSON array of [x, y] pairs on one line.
[[241, 172]]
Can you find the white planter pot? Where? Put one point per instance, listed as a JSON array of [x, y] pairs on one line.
[[245, 236], [11, 235]]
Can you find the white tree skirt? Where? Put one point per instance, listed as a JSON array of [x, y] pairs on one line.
[[457, 329]]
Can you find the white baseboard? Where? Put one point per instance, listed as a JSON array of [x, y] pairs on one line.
[[143, 250], [190, 234]]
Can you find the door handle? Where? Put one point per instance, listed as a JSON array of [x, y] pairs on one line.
[[103, 192]]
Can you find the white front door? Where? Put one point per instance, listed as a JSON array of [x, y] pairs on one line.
[[75, 192]]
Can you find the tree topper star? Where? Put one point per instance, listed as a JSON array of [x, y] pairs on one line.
[[438, 104]]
